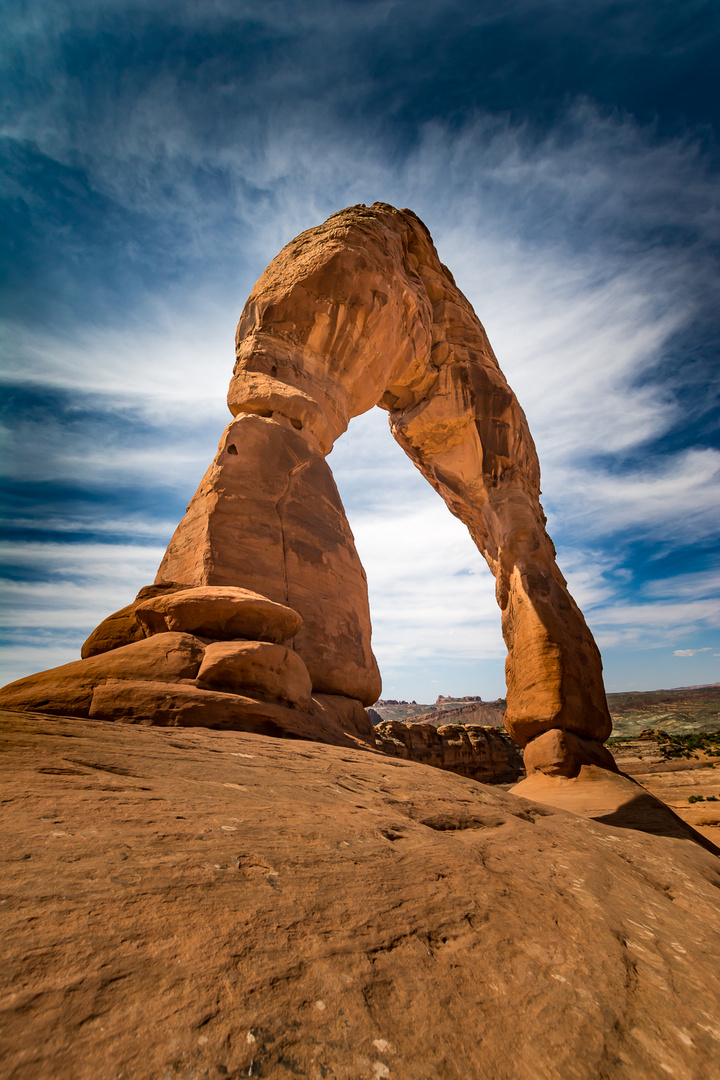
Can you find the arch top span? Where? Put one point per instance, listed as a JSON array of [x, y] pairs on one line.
[[360, 311]]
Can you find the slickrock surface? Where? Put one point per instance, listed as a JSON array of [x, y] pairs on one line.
[[609, 797], [677, 786], [193, 903], [479, 752], [354, 313]]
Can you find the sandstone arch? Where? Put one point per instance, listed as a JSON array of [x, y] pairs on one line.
[[360, 311], [355, 313]]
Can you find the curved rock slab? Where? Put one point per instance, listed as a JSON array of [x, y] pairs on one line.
[[159, 705], [122, 627], [68, 690], [561, 753], [219, 613], [256, 667]]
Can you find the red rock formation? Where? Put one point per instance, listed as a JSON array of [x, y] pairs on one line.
[[355, 313], [469, 750], [562, 753], [268, 517]]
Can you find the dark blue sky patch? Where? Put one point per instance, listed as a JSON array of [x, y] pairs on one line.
[[101, 420], [528, 61], [37, 504], [688, 370], [39, 638], [67, 426], [70, 248], [651, 559], [184, 91]]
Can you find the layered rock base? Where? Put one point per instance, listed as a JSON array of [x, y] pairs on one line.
[[562, 753], [213, 656]]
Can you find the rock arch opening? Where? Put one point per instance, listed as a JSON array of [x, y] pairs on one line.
[[435, 621]]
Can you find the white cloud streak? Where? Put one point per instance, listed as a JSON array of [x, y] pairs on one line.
[[45, 621]]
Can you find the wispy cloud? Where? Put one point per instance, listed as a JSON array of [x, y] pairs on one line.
[[674, 500], [54, 594]]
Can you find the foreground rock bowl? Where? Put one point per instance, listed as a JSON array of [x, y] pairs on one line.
[[197, 903]]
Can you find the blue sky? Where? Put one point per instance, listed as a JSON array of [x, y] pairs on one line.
[[565, 158]]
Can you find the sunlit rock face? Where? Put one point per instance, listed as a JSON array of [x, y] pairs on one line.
[[268, 516], [355, 313]]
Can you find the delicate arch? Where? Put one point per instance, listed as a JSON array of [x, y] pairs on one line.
[[258, 618], [361, 312]]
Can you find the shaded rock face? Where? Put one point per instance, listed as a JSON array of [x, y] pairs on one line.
[[478, 752], [355, 313], [196, 903]]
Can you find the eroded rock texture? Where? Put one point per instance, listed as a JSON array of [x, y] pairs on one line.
[[355, 313], [468, 750], [268, 517], [206, 904]]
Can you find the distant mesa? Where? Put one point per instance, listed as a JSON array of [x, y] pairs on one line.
[[469, 697], [258, 618], [486, 713]]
